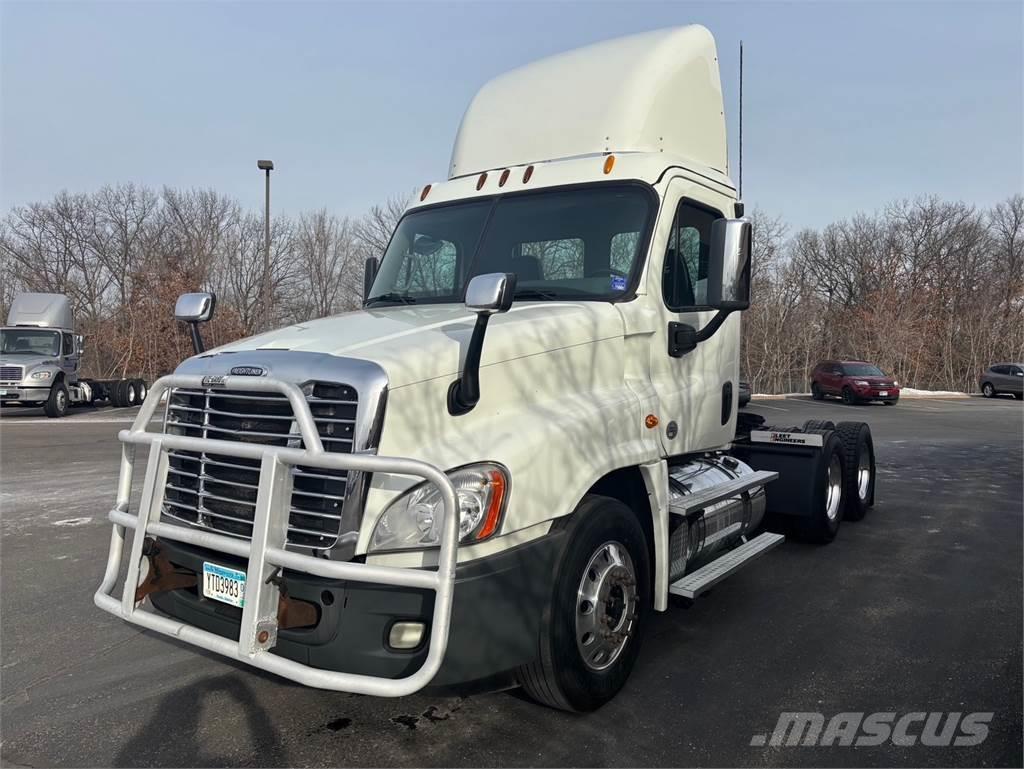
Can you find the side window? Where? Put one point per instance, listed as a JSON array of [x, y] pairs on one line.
[[684, 282], [550, 260], [623, 250], [428, 267], [68, 344], [999, 370]]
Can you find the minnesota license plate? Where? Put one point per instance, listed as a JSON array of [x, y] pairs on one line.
[[223, 584], [883, 393]]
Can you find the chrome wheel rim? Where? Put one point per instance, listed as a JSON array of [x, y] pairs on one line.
[[834, 487], [142, 393], [987, 389], [863, 474], [62, 400], [606, 606], [131, 393]]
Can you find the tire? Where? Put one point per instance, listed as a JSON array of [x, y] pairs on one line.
[[605, 553], [988, 390], [829, 490], [56, 405], [119, 393], [819, 424], [848, 397], [816, 392], [131, 394], [858, 469], [141, 391]]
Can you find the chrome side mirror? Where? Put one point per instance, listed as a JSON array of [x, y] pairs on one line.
[[195, 308], [485, 295], [729, 265], [491, 293]]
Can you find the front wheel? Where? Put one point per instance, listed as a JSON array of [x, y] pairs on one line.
[[848, 397], [56, 405], [816, 392], [988, 390], [592, 628]]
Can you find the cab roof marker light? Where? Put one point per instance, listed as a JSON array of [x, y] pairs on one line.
[[527, 174], [609, 164], [503, 178], [481, 181], [426, 191]]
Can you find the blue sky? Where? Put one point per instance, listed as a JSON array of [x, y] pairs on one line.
[[848, 105]]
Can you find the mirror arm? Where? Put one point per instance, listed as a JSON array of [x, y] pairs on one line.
[[197, 340], [464, 393], [713, 325]]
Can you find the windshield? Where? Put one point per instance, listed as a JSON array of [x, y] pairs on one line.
[[861, 369], [584, 243], [29, 341]]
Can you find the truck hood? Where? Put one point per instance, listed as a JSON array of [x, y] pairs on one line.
[[414, 344], [28, 361]]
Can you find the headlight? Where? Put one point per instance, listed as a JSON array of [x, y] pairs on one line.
[[416, 519], [861, 383], [41, 374], [895, 383]]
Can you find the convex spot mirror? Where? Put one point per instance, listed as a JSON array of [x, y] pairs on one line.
[[729, 265], [195, 308], [490, 293]]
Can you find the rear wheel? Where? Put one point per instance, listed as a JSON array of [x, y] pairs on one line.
[[56, 405], [988, 390], [829, 490], [593, 625], [816, 392], [848, 397], [858, 468]]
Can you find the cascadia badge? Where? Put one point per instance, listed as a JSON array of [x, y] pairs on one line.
[[248, 371]]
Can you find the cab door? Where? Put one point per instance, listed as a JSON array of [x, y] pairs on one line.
[[696, 391]]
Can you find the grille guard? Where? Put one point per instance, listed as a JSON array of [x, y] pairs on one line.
[[266, 552]]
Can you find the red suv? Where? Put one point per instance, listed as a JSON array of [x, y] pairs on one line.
[[854, 381]]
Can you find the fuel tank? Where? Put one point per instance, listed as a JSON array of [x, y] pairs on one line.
[[697, 537]]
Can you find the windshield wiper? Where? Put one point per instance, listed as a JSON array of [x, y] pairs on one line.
[[534, 293], [392, 296]]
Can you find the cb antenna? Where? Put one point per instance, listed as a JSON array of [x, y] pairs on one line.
[[741, 120]]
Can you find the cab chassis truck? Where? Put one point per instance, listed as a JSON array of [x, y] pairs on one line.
[[524, 443], [41, 359]]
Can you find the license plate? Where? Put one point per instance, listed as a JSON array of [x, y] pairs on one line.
[[883, 393], [223, 584]]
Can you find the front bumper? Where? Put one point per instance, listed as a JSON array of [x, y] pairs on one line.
[[495, 619], [24, 393], [266, 554]]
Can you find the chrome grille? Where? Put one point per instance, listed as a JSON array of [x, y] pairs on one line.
[[11, 373], [219, 492]]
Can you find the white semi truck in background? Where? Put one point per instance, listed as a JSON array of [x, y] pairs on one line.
[[41, 360], [527, 440]]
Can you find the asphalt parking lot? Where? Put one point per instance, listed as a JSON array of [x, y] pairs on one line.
[[916, 608]]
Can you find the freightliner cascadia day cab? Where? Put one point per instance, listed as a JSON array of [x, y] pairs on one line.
[[41, 359], [524, 443]]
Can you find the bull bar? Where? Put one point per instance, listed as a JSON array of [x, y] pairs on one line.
[[266, 551]]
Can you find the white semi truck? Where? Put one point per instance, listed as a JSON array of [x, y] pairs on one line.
[[41, 359], [527, 440]]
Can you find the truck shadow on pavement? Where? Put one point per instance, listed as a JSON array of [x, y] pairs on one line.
[[174, 730]]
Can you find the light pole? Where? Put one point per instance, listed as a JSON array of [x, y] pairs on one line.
[[267, 166]]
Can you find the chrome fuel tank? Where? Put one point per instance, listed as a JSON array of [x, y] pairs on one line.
[[694, 538]]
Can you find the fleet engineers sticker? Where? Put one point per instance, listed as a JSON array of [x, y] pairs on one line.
[[793, 439]]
